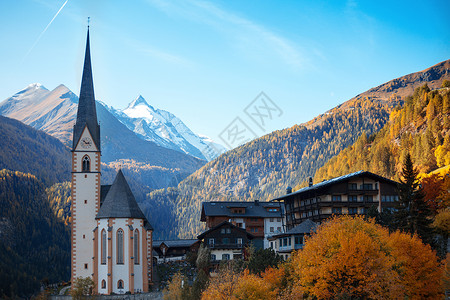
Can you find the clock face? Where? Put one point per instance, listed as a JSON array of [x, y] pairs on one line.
[[86, 142]]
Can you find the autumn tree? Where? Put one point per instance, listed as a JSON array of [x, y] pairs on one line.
[[413, 214], [223, 285], [82, 287], [349, 257]]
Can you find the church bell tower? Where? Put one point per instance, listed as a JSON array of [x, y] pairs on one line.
[[85, 177]]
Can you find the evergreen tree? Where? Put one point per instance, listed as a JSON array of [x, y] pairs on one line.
[[413, 214]]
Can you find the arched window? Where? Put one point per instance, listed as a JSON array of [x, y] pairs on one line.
[[120, 246], [136, 247], [120, 284], [103, 247], [103, 284], [86, 164]]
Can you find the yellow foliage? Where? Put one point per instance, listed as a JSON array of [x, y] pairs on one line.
[[174, 289], [349, 257]]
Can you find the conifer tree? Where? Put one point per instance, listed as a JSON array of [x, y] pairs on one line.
[[413, 214]]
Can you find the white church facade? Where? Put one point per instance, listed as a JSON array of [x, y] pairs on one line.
[[110, 236]]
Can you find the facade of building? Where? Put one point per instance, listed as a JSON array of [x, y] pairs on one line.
[[261, 219], [283, 244], [226, 241], [174, 250], [351, 194], [110, 236]]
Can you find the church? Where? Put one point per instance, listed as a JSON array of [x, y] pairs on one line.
[[110, 236]]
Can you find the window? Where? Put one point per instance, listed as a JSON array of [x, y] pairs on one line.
[[336, 198], [211, 242], [225, 241], [271, 220], [120, 284], [213, 257], [120, 246], [84, 236], [136, 247], [298, 240], [352, 210], [367, 186], [239, 241], [337, 210], [103, 247], [86, 164], [271, 245], [222, 231], [272, 229], [225, 256], [278, 219], [279, 229], [86, 266], [367, 198], [103, 284], [353, 198], [228, 230], [352, 186], [85, 201]]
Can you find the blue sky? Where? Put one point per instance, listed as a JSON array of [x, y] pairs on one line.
[[206, 61]]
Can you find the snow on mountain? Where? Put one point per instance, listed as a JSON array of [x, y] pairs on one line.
[[165, 129], [50, 111]]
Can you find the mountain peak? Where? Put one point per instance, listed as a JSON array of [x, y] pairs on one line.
[[137, 101], [35, 86]]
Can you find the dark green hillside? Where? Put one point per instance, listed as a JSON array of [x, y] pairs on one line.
[[25, 149], [34, 245], [421, 127]]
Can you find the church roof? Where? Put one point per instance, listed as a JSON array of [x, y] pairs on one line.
[[87, 114], [120, 202]]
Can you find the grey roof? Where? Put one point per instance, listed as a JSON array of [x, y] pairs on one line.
[[87, 115], [104, 189], [306, 227], [175, 243], [120, 201], [252, 209], [337, 180]]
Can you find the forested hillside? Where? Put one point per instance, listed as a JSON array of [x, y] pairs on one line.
[[25, 149], [263, 168], [421, 127], [34, 245]]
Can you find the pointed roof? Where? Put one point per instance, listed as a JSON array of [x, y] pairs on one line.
[[120, 201], [87, 114]]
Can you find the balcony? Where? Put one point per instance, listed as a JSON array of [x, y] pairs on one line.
[[225, 246]]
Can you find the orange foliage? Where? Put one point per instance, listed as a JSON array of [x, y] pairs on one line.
[[416, 264], [232, 286], [349, 257]]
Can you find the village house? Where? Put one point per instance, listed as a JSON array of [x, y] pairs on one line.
[[350, 194], [260, 219]]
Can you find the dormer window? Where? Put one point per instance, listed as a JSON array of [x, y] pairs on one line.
[[86, 164]]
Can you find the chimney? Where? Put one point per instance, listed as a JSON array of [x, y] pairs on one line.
[[256, 202], [310, 182], [288, 190]]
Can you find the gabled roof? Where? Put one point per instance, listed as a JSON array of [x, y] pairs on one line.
[[252, 209], [336, 180], [175, 243], [202, 235], [87, 114], [306, 227], [120, 201]]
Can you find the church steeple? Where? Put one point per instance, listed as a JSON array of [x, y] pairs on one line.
[[87, 114]]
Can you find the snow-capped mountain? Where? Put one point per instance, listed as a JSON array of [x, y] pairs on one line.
[[165, 129]]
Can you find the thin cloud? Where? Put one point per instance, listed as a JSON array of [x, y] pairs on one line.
[[206, 12], [45, 29]]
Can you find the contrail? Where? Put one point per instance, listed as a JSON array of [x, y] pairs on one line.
[[42, 33]]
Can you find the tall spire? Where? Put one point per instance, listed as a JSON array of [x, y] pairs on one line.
[[87, 114]]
